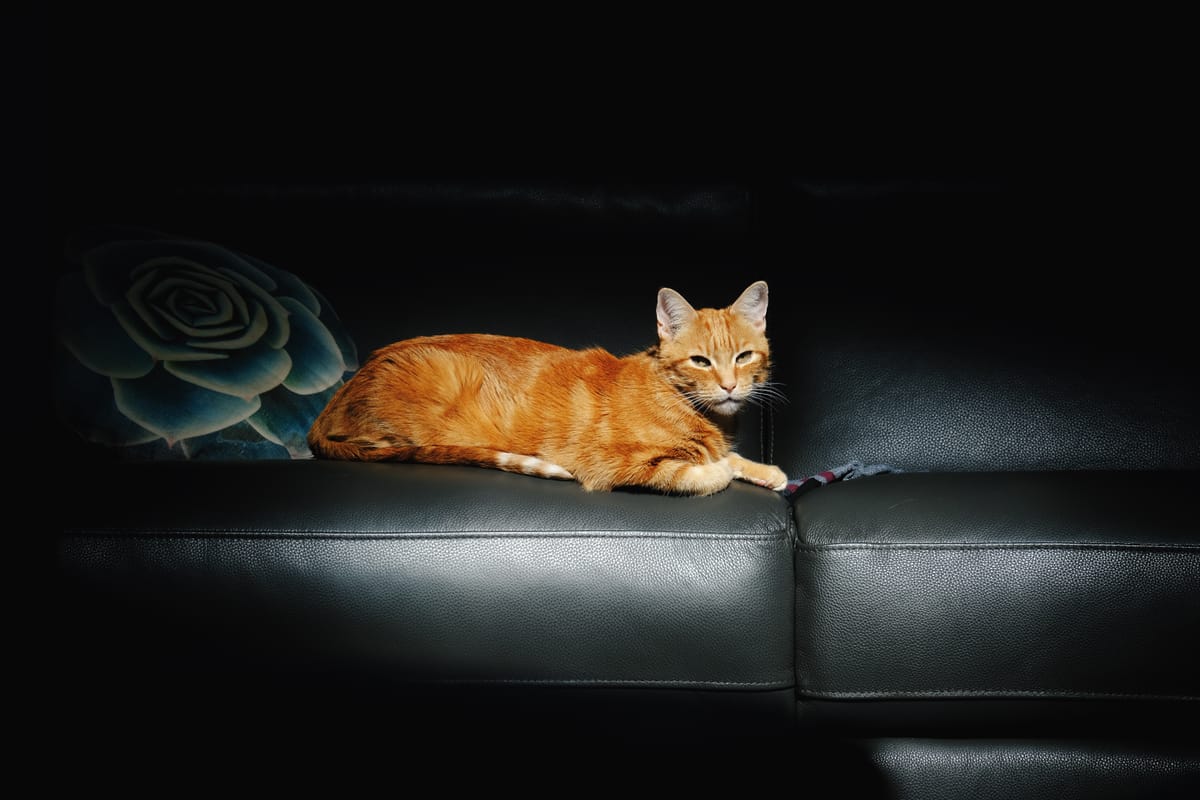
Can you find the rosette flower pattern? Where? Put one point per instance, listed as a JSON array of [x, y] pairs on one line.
[[178, 348]]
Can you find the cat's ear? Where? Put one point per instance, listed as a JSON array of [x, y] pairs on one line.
[[752, 305], [673, 313]]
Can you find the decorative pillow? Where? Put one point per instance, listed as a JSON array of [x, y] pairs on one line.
[[173, 348]]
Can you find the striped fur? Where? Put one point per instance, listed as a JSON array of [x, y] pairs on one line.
[[656, 419]]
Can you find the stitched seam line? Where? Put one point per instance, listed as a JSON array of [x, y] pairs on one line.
[[255, 533], [832, 548], [614, 682], [885, 693]]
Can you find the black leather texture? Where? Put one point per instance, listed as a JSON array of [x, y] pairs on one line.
[[1007, 769], [441, 574], [541, 214], [1063, 508], [968, 325], [1006, 586], [909, 374]]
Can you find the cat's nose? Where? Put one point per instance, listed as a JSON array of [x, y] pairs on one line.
[[729, 387]]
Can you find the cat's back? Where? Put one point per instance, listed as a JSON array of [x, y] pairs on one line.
[[455, 361], [482, 348]]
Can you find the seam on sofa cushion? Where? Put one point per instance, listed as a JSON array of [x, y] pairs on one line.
[[601, 682], [886, 694], [1130, 547], [294, 533]]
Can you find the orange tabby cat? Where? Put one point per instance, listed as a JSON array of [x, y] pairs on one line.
[[656, 419]]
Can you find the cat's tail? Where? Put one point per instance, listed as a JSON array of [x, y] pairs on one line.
[[345, 449]]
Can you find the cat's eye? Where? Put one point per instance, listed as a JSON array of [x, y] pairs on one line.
[[701, 361], [742, 358]]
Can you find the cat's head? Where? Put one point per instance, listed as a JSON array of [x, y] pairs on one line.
[[718, 358]]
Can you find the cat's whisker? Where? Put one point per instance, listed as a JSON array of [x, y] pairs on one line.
[[767, 399], [767, 393], [697, 399], [761, 403], [765, 402]]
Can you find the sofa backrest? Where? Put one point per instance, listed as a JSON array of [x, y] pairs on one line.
[[572, 262], [977, 327], [951, 325]]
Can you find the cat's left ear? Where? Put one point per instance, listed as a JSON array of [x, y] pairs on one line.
[[673, 313], [752, 305]]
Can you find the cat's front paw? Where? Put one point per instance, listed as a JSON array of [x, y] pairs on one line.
[[765, 475]]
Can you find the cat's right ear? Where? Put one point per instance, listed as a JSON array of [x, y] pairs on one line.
[[752, 305], [673, 313]]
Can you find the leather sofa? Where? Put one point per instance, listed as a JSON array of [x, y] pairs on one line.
[[1010, 611]]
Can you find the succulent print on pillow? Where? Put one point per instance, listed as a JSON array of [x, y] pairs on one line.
[[179, 348]]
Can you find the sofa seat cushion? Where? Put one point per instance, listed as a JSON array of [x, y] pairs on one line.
[[1050, 587], [426, 573], [1000, 769]]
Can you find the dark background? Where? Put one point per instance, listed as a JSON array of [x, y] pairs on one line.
[[1079, 126]]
